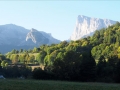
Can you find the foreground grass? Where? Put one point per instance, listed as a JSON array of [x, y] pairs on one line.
[[9, 84]]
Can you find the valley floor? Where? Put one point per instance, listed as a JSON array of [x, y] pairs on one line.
[[16, 84]]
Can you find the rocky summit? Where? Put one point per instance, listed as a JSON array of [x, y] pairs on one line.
[[86, 26]]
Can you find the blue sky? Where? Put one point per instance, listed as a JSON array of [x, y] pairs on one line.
[[55, 17]]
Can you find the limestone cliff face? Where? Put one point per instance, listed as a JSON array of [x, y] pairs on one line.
[[86, 26], [35, 37]]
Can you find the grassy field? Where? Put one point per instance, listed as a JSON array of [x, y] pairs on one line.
[[9, 84]]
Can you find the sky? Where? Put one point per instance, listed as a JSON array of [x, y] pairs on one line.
[[57, 17]]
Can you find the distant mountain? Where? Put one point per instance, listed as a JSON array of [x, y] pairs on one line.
[[86, 26], [11, 34], [17, 37], [35, 37]]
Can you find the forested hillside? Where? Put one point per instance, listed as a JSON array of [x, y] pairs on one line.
[[95, 58]]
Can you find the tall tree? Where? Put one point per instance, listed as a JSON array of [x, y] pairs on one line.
[[87, 68]]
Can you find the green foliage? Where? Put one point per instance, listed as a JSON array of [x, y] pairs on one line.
[[31, 59], [87, 68], [67, 68], [22, 58], [36, 50], [3, 63], [117, 78], [40, 57], [38, 73], [88, 59], [15, 71]]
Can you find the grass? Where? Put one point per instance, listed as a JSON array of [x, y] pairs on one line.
[[16, 84]]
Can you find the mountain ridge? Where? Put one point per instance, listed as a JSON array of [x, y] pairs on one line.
[[18, 36], [86, 26]]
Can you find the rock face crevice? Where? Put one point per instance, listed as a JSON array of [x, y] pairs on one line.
[[86, 26], [36, 38]]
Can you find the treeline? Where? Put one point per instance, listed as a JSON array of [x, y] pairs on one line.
[[95, 58], [16, 71]]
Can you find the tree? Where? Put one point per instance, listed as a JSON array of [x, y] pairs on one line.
[[3, 63], [6, 65], [40, 57], [60, 55], [67, 68], [15, 59], [87, 68], [26, 58], [21, 50], [117, 78], [110, 69], [50, 50], [31, 59], [13, 51], [22, 58], [63, 44], [38, 73], [2, 57], [101, 69], [36, 50]]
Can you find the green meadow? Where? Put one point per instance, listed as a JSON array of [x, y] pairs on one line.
[[16, 84]]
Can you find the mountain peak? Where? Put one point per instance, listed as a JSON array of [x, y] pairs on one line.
[[82, 16], [33, 30], [86, 26]]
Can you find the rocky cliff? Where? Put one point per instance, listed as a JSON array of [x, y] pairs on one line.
[[86, 26]]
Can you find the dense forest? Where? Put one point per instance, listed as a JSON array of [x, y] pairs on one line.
[[95, 58]]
